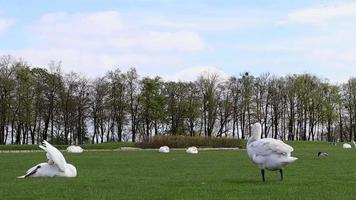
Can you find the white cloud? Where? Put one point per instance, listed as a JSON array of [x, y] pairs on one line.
[[323, 15], [5, 24], [93, 43], [93, 64], [329, 55], [180, 41], [108, 31], [210, 20], [89, 24], [326, 46]]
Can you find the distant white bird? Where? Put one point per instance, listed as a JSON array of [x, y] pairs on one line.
[[346, 146], [323, 154], [192, 150], [163, 149], [56, 165], [268, 153], [75, 149]]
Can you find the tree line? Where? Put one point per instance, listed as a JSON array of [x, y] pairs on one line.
[[67, 108]]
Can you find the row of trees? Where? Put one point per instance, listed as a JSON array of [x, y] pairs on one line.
[[37, 104]]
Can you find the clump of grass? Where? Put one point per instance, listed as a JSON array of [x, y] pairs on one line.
[[183, 142]]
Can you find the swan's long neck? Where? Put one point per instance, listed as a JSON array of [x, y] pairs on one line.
[[256, 133], [252, 139]]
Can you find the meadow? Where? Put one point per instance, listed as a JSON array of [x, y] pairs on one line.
[[177, 175]]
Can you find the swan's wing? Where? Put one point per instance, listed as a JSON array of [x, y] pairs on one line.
[[54, 155], [42, 170], [269, 146], [31, 171]]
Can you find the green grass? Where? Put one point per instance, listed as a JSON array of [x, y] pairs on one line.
[[208, 175]]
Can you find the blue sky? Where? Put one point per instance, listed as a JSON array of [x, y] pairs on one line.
[[180, 39]]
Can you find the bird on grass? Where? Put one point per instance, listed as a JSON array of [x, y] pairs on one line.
[[163, 149], [192, 150], [75, 149], [268, 153], [55, 166], [322, 154]]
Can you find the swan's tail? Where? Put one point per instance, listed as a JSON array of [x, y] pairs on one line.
[[293, 159], [289, 160]]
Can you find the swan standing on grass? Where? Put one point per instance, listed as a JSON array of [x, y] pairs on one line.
[[192, 150], [346, 146], [163, 149], [56, 165], [75, 149], [268, 153]]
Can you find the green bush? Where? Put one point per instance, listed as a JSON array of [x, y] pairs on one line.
[[108, 145], [183, 142]]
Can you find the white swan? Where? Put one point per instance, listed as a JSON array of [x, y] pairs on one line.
[[192, 150], [346, 146], [75, 149], [56, 165], [268, 153], [163, 149]]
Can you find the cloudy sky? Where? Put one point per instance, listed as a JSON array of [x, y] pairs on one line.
[[179, 39]]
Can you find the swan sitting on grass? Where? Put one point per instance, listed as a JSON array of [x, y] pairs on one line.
[[268, 153], [74, 149], [163, 149], [346, 146], [56, 165], [192, 150]]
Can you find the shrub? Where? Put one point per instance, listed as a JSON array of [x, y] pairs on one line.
[[183, 142]]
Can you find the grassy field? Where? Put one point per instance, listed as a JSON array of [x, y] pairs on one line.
[[208, 175]]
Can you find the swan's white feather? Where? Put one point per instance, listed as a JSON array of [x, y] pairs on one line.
[[268, 153], [56, 165], [45, 170], [75, 149], [53, 154], [268, 146], [163, 149], [192, 150]]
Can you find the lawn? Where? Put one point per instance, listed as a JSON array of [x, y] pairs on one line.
[[208, 175]]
